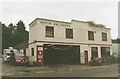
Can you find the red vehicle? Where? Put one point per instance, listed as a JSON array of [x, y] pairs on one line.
[[18, 59]]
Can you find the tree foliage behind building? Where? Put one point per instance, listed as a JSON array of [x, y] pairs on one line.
[[13, 34]]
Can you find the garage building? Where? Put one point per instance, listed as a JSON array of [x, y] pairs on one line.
[[75, 42]]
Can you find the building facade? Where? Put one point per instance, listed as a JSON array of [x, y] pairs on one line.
[[75, 42]]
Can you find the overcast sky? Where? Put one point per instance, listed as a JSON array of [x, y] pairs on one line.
[[101, 12]]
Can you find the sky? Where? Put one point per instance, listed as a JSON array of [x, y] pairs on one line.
[[105, 13]]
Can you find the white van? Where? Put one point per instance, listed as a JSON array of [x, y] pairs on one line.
[[7, 52], [6, 55]]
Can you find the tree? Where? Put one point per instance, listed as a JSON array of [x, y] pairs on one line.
[[20, 26], [20, 34], [6, 41], [13, 34], [11, 27]]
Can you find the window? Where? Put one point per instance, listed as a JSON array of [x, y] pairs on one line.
[[90, 35], [19, 54], [104, 36], [32, 51], [105, 51], [69, 33], [49, 31], [94, 51], [24, 51]]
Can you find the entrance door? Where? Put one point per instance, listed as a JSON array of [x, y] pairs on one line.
[[86, 56]]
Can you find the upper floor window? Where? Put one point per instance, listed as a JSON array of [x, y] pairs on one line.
[[104, 36], [90, 35], [69, 33], [49, 31]]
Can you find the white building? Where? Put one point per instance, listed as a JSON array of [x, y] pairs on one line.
[[75, 42]]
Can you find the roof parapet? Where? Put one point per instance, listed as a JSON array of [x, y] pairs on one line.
[[91, 23]]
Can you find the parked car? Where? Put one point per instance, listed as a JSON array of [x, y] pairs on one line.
[[18, 59]]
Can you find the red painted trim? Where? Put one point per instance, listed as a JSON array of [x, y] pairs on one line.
[[69, 43], [86, 57], [37, 54], [42, 60]]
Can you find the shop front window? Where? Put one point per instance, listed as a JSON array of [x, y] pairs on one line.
[[105, 51], [94, 51]]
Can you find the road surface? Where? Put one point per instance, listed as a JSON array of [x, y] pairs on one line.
[[61, 71]]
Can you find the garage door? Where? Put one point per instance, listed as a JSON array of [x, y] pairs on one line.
[[61, 54]]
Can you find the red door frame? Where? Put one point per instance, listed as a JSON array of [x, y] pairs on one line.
[[41, 55], [86, 56]]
